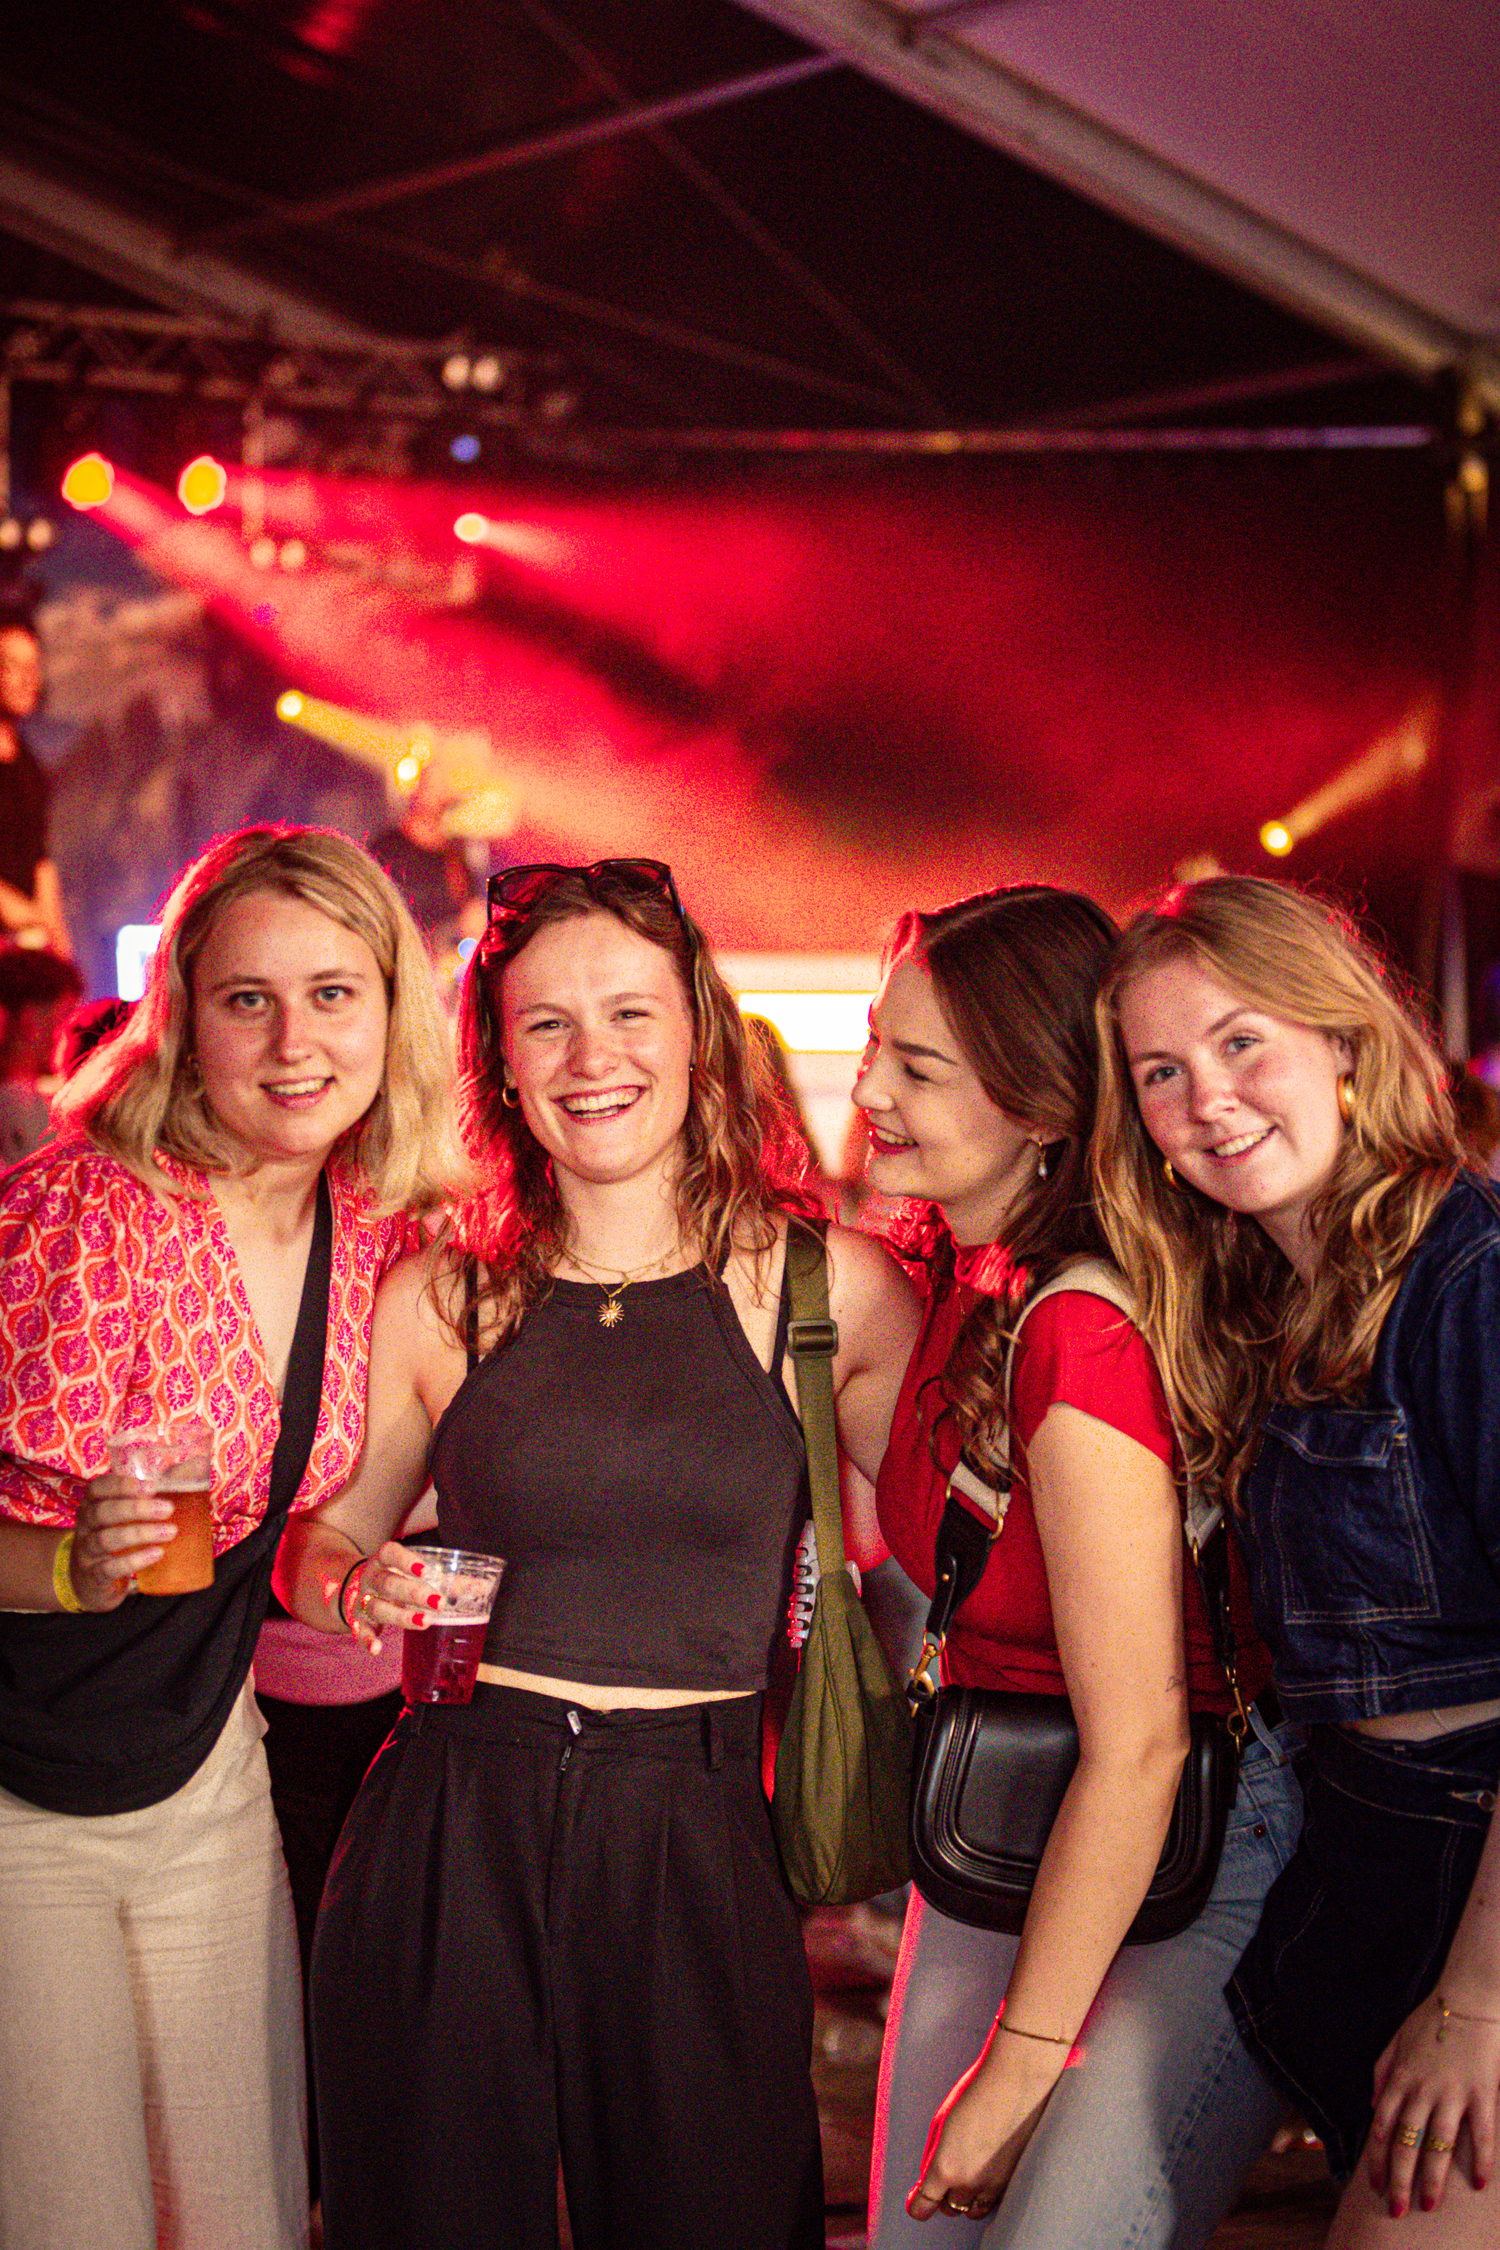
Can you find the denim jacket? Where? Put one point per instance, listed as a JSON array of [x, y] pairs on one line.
[[1373, 1531]]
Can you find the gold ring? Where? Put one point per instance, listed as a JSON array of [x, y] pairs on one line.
[[959, 2210], [1411, 2136], [364, 1603], [1439, 2148]]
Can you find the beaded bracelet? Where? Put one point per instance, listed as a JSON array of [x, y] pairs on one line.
[[62, 1576], [357, 1564]]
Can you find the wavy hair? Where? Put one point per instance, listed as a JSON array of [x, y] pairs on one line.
[[1014, 972], [1225, 1313], [742, 1157], [138, 1095]]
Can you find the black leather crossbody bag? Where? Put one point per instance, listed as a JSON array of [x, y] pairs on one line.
[[990, 1768]]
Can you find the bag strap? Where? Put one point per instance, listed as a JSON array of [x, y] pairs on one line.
[[303, 1395], [813, 1338], [963, 1543]]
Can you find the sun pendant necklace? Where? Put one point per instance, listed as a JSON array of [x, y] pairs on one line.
[[612, 1310]]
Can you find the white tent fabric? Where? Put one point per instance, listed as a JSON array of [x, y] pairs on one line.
[[1340, 157]]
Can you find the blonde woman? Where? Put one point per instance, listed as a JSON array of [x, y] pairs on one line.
[[230, 1183], [1320, 1275]]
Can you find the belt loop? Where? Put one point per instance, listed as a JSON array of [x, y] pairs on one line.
[[713, 1738]]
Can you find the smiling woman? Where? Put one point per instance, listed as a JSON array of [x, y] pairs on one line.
[[558, 1922], [206, 1242], [1279, 1172]]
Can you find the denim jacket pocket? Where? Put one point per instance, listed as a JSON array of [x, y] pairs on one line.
[[1340, 1516]]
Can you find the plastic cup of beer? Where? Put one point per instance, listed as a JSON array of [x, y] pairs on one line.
[[440, 1660], [176, 1461]]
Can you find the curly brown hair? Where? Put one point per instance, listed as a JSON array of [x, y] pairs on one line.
[[743, 1160], [1225, 1313], [1014, 972]]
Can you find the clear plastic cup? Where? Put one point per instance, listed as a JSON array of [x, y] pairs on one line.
[[176, 1460], [440, 1660]]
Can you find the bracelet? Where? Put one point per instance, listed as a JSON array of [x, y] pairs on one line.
[[357, 1564], [1046, 2037], [1456, 2015], [62, 1576]]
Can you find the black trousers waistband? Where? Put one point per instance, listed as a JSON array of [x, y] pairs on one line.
[[682, 1733]]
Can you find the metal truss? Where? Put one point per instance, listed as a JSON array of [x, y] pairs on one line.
[[177, 355]]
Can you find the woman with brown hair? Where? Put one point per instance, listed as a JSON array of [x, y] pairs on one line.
[[204, 1240], [1320, 1276], [557, 1926], [1110, 2101]]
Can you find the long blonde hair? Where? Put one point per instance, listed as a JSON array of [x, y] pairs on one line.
[[742, 1156], [138, 1094], [1230, 1323]]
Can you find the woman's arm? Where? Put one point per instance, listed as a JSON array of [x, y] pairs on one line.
[[411, 1358], [1108, 1516], [876, 1309]]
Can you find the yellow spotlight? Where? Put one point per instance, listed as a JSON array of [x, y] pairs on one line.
[[471, 528], [290, 705], [88, 482], [1397, 757], [202, 485], [293, 555], [408, 771], [263, 552]]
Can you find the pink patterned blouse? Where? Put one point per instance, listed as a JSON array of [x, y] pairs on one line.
[[119, 1307]]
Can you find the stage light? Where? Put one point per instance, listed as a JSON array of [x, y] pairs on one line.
[[293, 555], [487, 374], [471, 528], [12, 532], [263, 552], [89, 481], [202, 485], [40, 534], [1396, 758], [456, 371], [290, 705], [408, 771], [465, 447]]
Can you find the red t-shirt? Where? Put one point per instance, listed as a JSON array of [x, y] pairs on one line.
[[1075, 1349]]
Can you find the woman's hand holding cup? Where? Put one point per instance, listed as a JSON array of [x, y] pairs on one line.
[[120, 1528], [384, 1594]]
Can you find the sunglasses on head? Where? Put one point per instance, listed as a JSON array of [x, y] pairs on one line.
[[514, 891]]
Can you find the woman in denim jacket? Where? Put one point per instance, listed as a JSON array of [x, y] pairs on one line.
[[1320, 1278]]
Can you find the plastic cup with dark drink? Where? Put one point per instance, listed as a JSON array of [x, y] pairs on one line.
[[439, 1660], [176, 1461]]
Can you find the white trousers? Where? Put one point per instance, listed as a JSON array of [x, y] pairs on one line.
[[151, 2072]]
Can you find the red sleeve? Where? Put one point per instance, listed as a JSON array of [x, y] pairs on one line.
[[1079, 1350]]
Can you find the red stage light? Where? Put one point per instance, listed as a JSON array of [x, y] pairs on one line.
[[202, 485], [89, 481]]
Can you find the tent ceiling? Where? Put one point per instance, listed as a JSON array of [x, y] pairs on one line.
[[704, 218], [1342, 158]]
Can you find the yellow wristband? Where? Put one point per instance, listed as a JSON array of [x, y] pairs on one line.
[[62, 1576]]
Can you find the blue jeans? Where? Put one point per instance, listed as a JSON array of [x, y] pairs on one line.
[[1143, 2143]]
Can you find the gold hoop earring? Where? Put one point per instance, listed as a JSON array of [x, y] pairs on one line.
[[1345, 1092], [510, 1095], [1167, 1172]]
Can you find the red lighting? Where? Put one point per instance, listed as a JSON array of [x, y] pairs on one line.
[[88, 482], [202, 485]]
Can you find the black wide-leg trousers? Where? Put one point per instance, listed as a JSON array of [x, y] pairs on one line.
[[554, 1932]]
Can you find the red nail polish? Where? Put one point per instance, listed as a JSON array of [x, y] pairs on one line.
[[417, 1569], [1398, 2210], [434, 1601], [1429, 2203]]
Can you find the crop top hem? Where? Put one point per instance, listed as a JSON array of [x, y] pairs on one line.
[[555, 1665]]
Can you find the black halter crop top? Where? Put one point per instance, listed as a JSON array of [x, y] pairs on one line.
[[645, 1484]]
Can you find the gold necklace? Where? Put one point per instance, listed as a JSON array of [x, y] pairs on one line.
[[612, 1311]]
